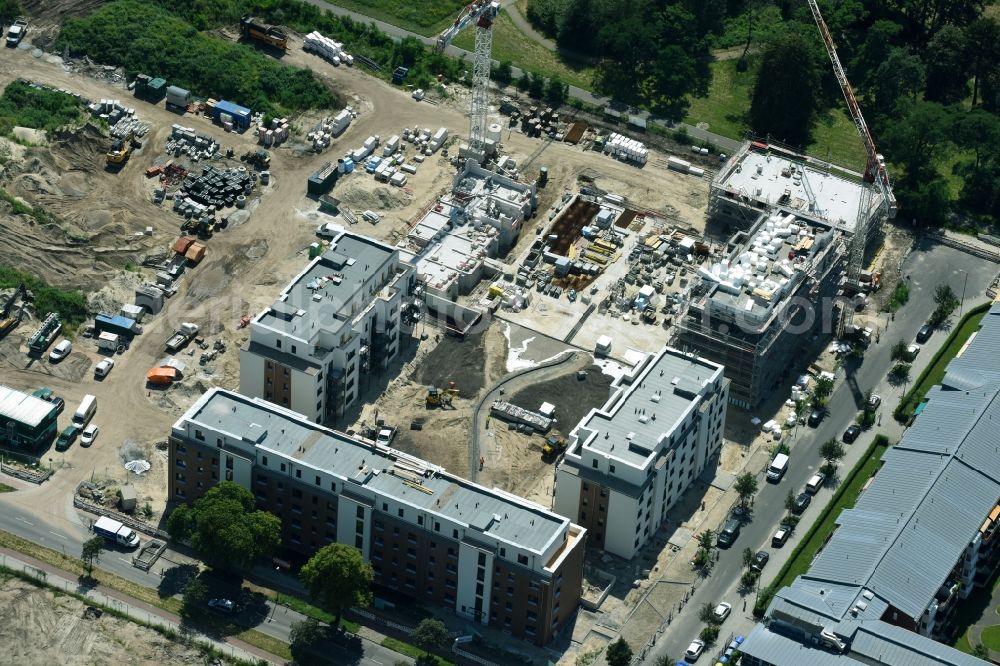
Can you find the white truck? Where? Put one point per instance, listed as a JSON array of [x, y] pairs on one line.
[[16, 32], [112, 530], [108, 341], [184, 335]]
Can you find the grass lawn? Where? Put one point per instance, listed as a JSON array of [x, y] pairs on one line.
[[426, 17], [509, 43], [4, 488], [409, 650], [934, 373], [969, 612], [843, 498], [991, 637]]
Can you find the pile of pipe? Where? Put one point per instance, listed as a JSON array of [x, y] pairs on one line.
[[213, 190]]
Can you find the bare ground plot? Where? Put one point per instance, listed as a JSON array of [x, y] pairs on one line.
[[63, 635], [573, 398]]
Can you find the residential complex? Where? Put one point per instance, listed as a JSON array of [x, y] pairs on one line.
[[761, 306], [921, 538], [336, 322], [628, 462], [490, 556], [25, 421]]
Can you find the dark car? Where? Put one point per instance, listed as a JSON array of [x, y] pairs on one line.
[[815, 417], [925, 333], [851, 433], [227, 606], [801, 502], [67, 437], [759, 560]]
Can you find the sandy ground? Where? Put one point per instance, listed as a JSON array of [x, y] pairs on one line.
[[72, 639]]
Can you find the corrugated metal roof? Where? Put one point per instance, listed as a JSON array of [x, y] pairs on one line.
[[24, 408], [776, 649], [893, 646]]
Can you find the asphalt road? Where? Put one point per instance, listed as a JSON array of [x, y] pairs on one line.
[[697, 134], [927, 267], [273, 620]]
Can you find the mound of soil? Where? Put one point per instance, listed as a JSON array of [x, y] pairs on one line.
[[455, 359], [573, 398]]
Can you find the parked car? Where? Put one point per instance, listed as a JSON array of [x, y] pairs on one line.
[[874, 402], [801, 502], [781, 536], [694, 650], [60, 351], [227, 606], [759, 560], [66, 437], [912, 351], [925, 333], [722, 611], [816, 417], [102, 369], [851, 433], [814, 483], [89, 435]]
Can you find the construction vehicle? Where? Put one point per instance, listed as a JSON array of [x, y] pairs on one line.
[[184, 334], [441, 397], [16, 32], [121, 149], [553, 446], [259, 159], [269, 35], [45, 334], [7, 321]]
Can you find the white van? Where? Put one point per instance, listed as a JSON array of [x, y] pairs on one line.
[[85, 411], [777, 468]]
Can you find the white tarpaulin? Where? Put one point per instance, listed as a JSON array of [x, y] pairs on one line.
[[137, 466]]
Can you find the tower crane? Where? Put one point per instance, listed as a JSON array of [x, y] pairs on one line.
[[875, 172], [483, 12]]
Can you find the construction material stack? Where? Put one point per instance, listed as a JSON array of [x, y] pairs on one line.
[[326, 48]]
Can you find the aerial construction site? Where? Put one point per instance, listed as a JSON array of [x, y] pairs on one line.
[[425, 307]]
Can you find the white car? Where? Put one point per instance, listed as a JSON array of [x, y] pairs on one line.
[[102, 369], [60, 351], [89, 435], [722, 611], [694, 650], [912, 351]]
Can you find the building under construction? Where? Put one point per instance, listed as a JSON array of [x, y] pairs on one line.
[[768, 300], [761, 177]]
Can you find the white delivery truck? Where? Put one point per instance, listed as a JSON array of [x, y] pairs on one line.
[[777, 468], [85, 411], [112, 530]]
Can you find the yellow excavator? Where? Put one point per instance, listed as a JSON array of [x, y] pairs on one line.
[[552, 447], [121, 149], [441, 397]]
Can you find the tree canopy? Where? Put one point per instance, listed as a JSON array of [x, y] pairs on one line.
[[619, 653], [337, 577], [225, 528], [785, 97]]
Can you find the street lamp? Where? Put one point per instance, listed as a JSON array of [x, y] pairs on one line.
[[961, 304]]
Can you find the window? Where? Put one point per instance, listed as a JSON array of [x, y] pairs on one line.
[[361, 512], [385, 506], [420, 520], [183, 449], [296, 493], [612, 469], [199, 435], [482, 559], [481, 575], [454, 534], [282, 467], [278, 343], [264, 460], [298, 474], [522, 559], [181, 463], [400, 512], [594, 463], [293, 349], [510, 590], [479, 589], [317, 483], [358, 542]]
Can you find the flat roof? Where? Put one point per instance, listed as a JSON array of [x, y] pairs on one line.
[[823, 193], [655, 401], [319, 298], [23, 408], [290, 435]]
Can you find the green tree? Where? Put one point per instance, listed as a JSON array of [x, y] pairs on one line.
[[503, 73], [524, 81], [831, 451], [789, 506], [91, 553], [338, 578], [785, 100], [706, 613], [194, 598], [984, 46], [709, 634], [10, 10], [618, 653], [981, 651], [924, 18], [429, 634], [225, 528], [879, 40], [304, 637], [536, 85], [900, 373], [948, 66], [946, 302], [748, 556], [746, 487], [917, 139], [898, 80], [556, 92], [706, 540], [898, 351]]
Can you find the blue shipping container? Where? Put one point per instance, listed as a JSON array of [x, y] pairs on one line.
[[115, 324], [239, 114]]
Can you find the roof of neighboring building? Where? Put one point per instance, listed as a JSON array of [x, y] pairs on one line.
[[24, 408], [629, 428], [317, 299], [284, 433]]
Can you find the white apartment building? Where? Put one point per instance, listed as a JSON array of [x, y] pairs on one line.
[[335, 322], [628, 462]]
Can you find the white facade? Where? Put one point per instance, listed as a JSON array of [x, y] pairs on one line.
[[337, 320], [629, 462]]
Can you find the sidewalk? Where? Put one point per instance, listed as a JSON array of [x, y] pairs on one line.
[[133, 608]]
